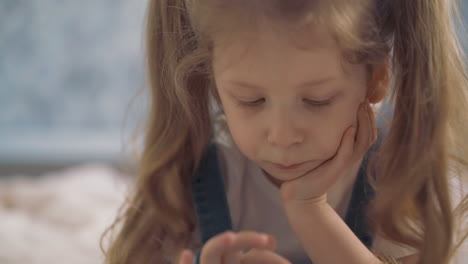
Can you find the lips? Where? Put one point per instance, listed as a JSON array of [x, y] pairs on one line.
[[288, 167]]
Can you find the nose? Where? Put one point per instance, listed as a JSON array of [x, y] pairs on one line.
[[282, 132]]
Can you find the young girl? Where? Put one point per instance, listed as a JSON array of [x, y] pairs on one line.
[[293, 168]]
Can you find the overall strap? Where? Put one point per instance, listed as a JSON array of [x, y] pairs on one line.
[[356, 214], [356, 217], [210, 198]]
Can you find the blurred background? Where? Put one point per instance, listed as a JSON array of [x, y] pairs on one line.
[[70, 74]]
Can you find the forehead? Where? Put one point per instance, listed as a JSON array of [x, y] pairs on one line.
[[266, 54]]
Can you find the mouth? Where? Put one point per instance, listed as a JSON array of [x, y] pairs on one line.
[[288, 167]]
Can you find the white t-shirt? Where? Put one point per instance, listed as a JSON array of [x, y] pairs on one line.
[[254, 204]]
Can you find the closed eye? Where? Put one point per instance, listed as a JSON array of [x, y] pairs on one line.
[[310, 102], [318, 103], [251, 103]]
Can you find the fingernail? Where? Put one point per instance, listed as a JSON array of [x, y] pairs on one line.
[[230, 236], [264, 238]]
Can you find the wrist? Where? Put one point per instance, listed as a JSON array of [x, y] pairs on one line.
[[305, 207]]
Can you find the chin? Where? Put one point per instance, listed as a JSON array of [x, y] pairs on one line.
[[284, 176]]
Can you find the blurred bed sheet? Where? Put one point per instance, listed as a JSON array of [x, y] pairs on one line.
[[58, 217]]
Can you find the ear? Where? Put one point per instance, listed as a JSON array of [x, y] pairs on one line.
[[379, 83]]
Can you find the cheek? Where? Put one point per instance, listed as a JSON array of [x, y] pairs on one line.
[[244, 135], [241, 136], [326, 143], [328, 137]]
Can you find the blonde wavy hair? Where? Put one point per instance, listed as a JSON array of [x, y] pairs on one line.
[[426, 144]]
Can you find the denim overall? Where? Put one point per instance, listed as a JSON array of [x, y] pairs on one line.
[[212, 208]]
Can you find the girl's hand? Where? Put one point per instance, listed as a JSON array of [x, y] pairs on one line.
[[313, 187], [229, 248]]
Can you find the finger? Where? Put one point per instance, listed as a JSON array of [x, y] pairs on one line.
[[258, 256], [364, 134], [343, 154], [246, 240], [345, 151], [214, 249], [242, 242], [232, 257], [373, 124], [271, 244], [186, 257]]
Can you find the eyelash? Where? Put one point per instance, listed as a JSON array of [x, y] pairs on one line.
[[249, 104], [319, 104], [316, 104]]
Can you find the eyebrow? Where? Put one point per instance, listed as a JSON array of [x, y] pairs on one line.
[[303, 85]]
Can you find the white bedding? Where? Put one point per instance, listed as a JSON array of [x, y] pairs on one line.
[[58, 217]]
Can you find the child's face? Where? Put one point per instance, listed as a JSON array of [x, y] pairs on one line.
[[283, 126]]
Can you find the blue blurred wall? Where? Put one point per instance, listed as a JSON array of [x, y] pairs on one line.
[[68, 70]]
